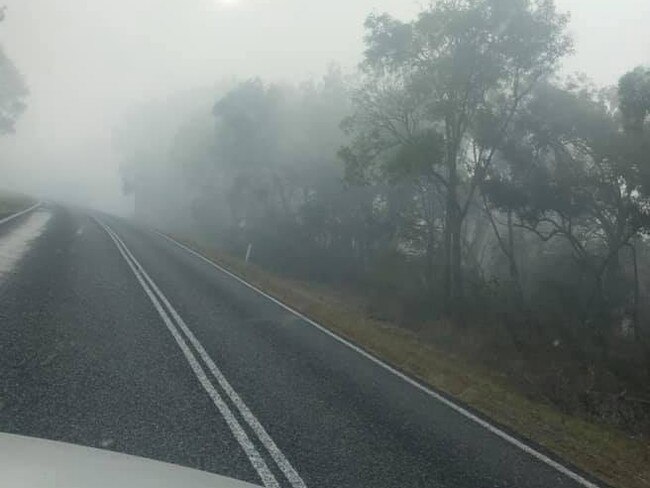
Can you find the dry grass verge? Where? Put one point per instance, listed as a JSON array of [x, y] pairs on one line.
[[605, 452]]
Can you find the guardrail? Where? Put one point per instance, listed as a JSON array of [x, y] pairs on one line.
[[18, 214]]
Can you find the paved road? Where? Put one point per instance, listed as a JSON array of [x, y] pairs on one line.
[[118, 338]]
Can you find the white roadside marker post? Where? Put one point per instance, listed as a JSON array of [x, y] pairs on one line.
[[248, 252]]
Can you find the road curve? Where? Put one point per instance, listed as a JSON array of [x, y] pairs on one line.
[[113, 336]]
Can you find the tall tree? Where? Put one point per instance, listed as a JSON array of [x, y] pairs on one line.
[[634, 96], [572, 174], [472, 62]]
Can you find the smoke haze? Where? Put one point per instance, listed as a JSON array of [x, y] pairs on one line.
[[86, 63]]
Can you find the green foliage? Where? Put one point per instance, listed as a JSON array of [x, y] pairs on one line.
[[634, 95], [568, 158], [571, 171], [439, 97]]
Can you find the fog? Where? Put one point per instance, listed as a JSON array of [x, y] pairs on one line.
[[87, 62], [441, 165]]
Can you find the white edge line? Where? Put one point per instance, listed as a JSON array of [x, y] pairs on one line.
[[466, 413], [18, 214], [237, 430], [276, 454]]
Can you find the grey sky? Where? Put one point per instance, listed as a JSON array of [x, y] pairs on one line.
[[86, 61]]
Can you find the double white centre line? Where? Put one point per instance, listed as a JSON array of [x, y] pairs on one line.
[[174, 322]]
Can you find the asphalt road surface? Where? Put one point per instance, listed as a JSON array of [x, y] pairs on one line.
[[115, 337]]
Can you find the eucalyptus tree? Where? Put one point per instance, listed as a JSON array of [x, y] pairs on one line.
[[468, 64]]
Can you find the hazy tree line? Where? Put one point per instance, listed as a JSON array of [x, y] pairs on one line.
[[13, 90], [455, 176]]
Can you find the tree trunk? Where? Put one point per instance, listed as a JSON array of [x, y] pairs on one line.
[[429, 276], [453, 223], [451, 234], [456, 262], [446, 279], [513, 268], [637, 293], [614, 289], [453, 242]]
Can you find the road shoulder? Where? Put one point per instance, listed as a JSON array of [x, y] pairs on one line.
[[599, 450]]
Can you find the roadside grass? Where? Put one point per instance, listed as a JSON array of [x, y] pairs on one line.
[[11, 202], [603, 451]]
